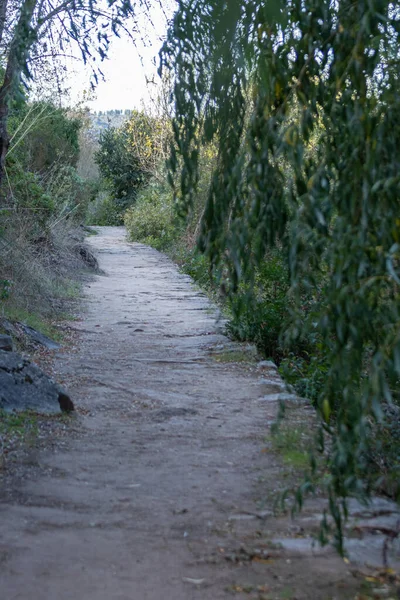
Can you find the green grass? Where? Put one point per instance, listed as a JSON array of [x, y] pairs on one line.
[[18, 427], [235, 356], [292, 442], [67, 290], [14, 313]]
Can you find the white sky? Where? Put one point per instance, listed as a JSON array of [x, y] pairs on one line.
[[126, 69]]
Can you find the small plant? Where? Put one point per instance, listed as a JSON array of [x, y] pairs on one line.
[[5, 288], [16, 428], [293, 443], [306, 373]]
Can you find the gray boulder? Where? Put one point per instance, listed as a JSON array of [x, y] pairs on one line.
[[23, 386], [39, 338], [88, 257], [6, 343], [8, 327]]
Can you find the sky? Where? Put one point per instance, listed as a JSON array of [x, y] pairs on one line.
[[126, 69]]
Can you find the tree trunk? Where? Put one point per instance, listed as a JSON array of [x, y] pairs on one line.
[[3, 14], [22, 41]]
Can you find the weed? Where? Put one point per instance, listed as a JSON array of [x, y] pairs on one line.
[[18, 427], [293, 443], [235, 356]]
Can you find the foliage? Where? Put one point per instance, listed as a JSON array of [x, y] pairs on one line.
[[306, 372], [32, 29], [151, 219], [43, 200], [127, 156], [42, 134], [41, 176], [122, 175], [28, 194], [103, 210], [260, 316], [193, 263], [307, 66], [383, 456]]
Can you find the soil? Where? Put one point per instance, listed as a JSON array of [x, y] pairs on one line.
[[163, 487]]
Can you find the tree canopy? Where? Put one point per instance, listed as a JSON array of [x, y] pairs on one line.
[[39, 28], [127, 156]]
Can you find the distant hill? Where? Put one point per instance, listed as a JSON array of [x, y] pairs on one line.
[[103, 119]]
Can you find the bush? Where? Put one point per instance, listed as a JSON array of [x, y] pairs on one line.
[[30, 196], [43, 197], [43, 135], [259, 312], [194, 264], [104, 211], [128, 156], [151, 220], [306, 373]]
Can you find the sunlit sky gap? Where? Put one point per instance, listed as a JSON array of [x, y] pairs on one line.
[[130, 72]]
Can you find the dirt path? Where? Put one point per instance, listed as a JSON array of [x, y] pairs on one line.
[[161, 480]]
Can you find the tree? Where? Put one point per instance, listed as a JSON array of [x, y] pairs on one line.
[[128, 156], [36, 25], [261, 80]]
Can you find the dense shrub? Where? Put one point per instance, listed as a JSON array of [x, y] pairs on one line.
[[103, 211], [128, 157], [193, 263], [151, 219], [43, 135], [260, 312]]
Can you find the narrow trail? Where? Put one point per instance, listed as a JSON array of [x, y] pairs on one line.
[[161, 480]]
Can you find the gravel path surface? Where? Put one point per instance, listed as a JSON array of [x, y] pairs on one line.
[[156, 494]]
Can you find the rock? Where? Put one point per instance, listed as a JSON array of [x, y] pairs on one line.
[[6, 343], [8, 327], [88, 257], [87, 229], [23, 386], [293, 400], [266, 364], [39, 338]]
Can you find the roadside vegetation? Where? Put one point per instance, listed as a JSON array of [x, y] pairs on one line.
[[48, 175], [44, 200]]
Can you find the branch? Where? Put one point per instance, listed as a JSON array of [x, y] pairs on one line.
[[52, 14]]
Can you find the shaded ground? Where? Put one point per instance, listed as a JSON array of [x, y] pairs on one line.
[[158, 491]]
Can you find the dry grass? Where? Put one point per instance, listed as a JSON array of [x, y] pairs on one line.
[[38, 264]]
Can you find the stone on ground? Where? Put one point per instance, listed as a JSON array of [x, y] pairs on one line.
[[23, 386]]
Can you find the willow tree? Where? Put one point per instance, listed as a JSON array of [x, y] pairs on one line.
[[241, 70]]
